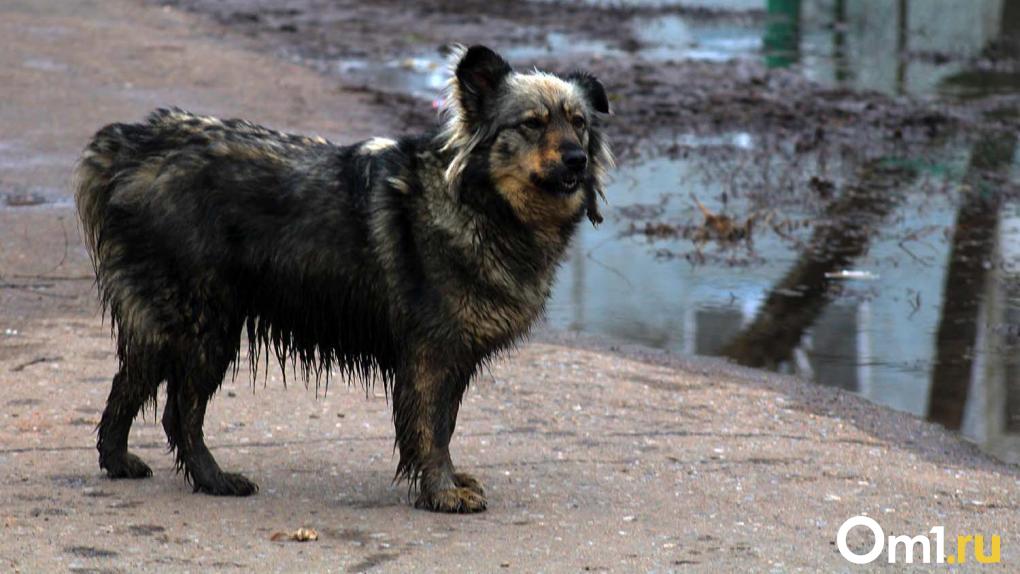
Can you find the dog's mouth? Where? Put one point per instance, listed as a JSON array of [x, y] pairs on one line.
[[563, 186], [566, 185]]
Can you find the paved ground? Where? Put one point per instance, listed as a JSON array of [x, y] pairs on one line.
[[596, 459]]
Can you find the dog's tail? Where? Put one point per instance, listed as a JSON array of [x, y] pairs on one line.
[[114, 153], [94, 180]]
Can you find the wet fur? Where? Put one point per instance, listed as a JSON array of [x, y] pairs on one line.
[[409, 261]]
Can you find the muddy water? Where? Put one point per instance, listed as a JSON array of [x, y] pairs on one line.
[[908, 294], [903, 285], [868, 307]]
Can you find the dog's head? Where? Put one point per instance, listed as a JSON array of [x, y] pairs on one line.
[[538, 133]]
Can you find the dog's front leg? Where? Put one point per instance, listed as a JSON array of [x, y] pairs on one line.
[[426, 399]]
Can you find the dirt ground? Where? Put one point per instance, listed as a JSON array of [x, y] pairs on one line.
[[650, 99], [596, 458]]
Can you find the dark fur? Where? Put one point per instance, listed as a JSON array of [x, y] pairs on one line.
[[373, 259]]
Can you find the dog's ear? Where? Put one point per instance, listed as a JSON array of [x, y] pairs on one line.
[[592, 89], [591, 207], [479, 73]]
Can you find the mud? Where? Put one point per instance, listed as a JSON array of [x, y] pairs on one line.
[[656, 92]]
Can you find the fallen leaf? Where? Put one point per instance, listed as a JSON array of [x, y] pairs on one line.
[[299, 535]]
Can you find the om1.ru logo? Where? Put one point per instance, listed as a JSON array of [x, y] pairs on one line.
[[910, 545]]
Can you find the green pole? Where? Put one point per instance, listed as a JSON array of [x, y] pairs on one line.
[[782, 33]]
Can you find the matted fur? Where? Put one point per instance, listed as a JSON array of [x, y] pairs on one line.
[[406, 260]]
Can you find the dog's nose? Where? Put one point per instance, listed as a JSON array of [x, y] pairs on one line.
[[576, 160]]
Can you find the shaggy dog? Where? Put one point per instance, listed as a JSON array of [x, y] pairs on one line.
[[412, 260]]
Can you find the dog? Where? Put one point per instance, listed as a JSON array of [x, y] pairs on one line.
[[409, 261]]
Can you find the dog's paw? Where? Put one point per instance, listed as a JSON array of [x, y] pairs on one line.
[[460, 499], [125, 466], [465, 480], [228, 484]]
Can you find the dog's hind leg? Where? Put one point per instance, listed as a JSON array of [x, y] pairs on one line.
[[188, 392], [426, 399], [128, 394]]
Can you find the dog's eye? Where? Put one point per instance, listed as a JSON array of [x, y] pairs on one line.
[[533, 123], [578, 122]]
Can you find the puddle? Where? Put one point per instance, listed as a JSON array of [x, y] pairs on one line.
[[852, 44], [848, 44], [675, 38], [421, 76], [738, 5], [888, 324], [557, 44]]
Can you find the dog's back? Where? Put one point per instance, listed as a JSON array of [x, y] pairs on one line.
[[135, 154], [191, 217]]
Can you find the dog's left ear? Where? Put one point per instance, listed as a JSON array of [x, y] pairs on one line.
[[592, 89], [479, 73]]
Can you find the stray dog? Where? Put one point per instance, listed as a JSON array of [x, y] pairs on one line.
[[412, 260]]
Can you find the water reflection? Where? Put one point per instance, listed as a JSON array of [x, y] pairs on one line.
[[891, 46], [992, 413], [798, 299], [970, 259], [901, 46], [933, 330]]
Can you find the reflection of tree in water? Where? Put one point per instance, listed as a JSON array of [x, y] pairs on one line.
[[1011, 363], [797, 300], [973, 243], [1002, 76]]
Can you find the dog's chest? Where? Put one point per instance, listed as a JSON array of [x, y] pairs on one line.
[[489, 320]]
